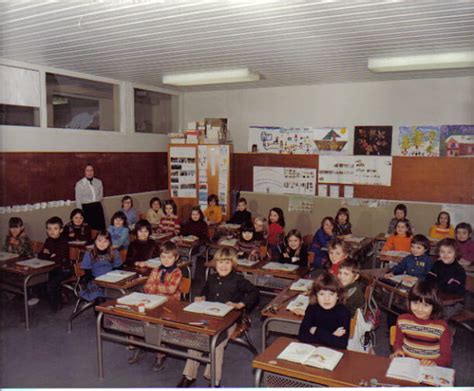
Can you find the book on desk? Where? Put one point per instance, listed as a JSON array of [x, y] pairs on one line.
[[305, 354], [116, 276], [300, 302], [4, 256], [35, 263], [287, 267], [209, 308], [137, 298], [406, 368], [302, 285], [153, 263]]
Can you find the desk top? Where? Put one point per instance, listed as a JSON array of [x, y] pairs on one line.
[[279, 304], [172, 314], [352, 368], [10, 266]]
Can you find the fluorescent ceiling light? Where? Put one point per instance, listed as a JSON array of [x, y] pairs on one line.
[[422, 62], [212, 77]]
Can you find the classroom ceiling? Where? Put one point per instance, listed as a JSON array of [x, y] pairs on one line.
[[288, 42]]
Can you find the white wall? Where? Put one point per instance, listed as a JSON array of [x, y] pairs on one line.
[[44, 139], [406, 102]]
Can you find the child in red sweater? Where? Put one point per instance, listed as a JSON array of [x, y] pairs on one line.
[[276, 230], [420, 334]]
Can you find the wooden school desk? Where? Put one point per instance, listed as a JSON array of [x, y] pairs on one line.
[[167, 324], [229, 230], [358, 249], [278, 319], [17, 279], [353, 368]]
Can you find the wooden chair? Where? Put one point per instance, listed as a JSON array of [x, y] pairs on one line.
[[308, 239], [75, 255], [78, 308], [141, 216], [241, 334], [94, 233], [462, 318], [123, 254], [393, 330], [185, 289]]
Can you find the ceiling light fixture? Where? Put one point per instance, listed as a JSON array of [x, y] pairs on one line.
[[422, 62], [211, 77]]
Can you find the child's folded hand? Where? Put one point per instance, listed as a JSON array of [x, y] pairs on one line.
[[140, 264], [388, 275], [237, 306], [298, 312], [427, 363], [398, 353], [340, 331], [312, 330], [199, 298]]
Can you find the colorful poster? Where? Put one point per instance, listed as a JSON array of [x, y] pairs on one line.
[[357, 170], [419, 140], [457, 140], [183, 174], [324, 141], [281, 180], [373, 140]]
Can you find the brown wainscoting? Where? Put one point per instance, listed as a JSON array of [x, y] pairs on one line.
[[425, 179], [29, 177]]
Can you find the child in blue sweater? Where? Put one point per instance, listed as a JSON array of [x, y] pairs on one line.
[[418, 263], [321, 240], [118, 230], [326, 320]]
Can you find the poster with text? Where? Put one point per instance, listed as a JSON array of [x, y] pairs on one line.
[[281, 180], [357, 170], [419, 140], [457, 140], [373, 140], [183, 174]]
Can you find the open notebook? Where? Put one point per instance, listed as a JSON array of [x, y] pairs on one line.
[[116, 276], [302, 285], [287, 267], [4, 256], [300, 302], [319, 357], [153, 263], [136, 298], [397, 254], [406, 368], [35, 263], [247, 262], [405, 279], [209, 308]]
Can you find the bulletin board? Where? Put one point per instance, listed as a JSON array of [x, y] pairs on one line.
[[195, 172]]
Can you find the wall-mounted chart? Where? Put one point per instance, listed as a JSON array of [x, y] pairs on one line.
[[280, 180]]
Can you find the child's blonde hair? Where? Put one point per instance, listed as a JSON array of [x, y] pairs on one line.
[[262, 220], [224, 254]]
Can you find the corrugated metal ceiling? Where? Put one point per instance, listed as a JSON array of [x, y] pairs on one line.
[[288, 42]]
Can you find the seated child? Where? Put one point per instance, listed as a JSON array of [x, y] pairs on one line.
[[400, 213], [169, 223], [118, 230], [17, 241], [241, 215], [321, 240], [77, 229], [196, 225], [448, 275], [465, 243], [213, 211], [443, 228], [225, 286], [349, 273], [247, 247], [261, 229], [56, 249], [418, 263], [155, 213], [142, 248], [127, 208], [400, 240], [165, 280], [102, 259], [343, 226], [419, 333], [276, 231], [294, 251], [338, 252], [326, 321]]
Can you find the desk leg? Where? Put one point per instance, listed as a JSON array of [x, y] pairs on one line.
[[264, 333], [258, 377], [25, 300], [212, 355], [100, 362]]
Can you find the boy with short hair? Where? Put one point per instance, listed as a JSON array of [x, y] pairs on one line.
[[465, 243], [348, 275], [56, 249], [241, 215]]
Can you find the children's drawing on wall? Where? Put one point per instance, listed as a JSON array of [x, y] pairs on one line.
[[419, 140], [281, 180], [271, 139], [331, 140], [457, 140], [373, 140]]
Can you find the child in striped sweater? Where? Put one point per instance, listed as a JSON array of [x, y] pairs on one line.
[[170, 222], [247, 246], [420, 333]]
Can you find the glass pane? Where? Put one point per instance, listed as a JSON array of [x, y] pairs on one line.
[[19, 115], [155, 112], [81, 104]]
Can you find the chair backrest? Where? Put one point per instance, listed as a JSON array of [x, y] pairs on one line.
[[393, 330], [78, 272], [142, 216], [36, 246], [75, 254], [352, 326], [94, 233], [123, 254], [185, 288]]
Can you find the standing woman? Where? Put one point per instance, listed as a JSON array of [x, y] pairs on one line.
[[89, 194]]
